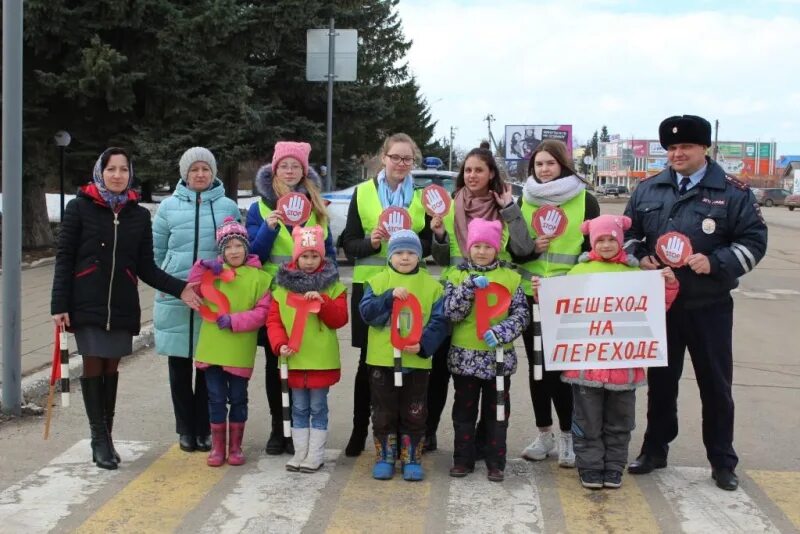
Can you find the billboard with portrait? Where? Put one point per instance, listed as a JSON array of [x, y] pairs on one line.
[[522, 140]]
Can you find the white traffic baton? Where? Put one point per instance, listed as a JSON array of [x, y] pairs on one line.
[[500, 386], [64, 359], [538, 354], [287, 415]]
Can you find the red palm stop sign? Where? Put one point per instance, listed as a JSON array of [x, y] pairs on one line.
[[673, 248], [549, 221], [296, 208]]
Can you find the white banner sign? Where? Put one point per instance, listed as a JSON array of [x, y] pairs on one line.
[[603, 321]]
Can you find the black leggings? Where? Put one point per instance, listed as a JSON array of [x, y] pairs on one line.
[[96, 366], [272, 384], [549, 388]]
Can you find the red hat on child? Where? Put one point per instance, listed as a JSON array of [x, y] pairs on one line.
[[308, 238], [613, 225]]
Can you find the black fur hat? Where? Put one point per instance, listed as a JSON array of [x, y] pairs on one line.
[[684, 129]]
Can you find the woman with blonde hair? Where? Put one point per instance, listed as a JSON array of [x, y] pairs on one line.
[[366, 241], [271, 239]]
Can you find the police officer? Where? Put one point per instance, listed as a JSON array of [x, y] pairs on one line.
[[720, 216]]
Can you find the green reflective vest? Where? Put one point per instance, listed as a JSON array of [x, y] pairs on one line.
[[283, 245], [427, 290], [592, 267], [320, 346], [218, 346], [369, 211], [465, 332], [455, 251], [563, 252]]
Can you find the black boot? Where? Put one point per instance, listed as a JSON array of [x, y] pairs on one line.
[[276, 444], [357, 441], [93, 398], [111, 382]]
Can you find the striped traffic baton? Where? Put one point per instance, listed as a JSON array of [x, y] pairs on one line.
[[538, 354], [59, 369], [500, 386], [287, 415], [64, 359]]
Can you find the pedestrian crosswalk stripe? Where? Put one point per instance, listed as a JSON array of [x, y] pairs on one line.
[[368, 505], [701, 507], [39, 501], [160, 497], [783, 488], [624, 509], [477, 505], [267, 498]]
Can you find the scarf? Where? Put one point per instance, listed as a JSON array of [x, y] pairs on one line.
[[469, 206], [115, 201], [554, 193], [621, 257], [400, 197]]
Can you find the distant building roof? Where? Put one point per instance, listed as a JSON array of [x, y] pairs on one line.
[[783, 161], [790, 167]]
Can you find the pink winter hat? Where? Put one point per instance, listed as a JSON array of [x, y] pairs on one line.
[[231, 229], [308, 238], [613, 225], [483, 231], [290, 149]]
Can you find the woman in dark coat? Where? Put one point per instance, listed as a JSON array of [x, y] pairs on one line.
[[105, 246]]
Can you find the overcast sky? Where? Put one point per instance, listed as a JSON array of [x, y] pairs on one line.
[[626, 64]]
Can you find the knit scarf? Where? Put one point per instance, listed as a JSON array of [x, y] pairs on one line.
[[470, 206], [555, 192], [401, 197], [115, 201]]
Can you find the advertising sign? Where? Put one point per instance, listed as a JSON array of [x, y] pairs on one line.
[[640, 149], [603, 321], [764, 150], [656, 164], [655, 149], [522, 140], [734, 150]]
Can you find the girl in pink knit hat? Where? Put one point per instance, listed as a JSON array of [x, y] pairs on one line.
[[471, 359], [226, 348], [308, 340], [604, 400]]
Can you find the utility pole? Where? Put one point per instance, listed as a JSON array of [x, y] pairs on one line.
[[716, 134], [452, 137], [489, 119]]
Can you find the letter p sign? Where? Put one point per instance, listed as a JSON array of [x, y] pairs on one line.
[[484, 311]]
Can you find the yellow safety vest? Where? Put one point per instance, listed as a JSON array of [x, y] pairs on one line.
[[465, 332], [319, 349], [563, 251], [369, 211], [427, 290], [283, 245]]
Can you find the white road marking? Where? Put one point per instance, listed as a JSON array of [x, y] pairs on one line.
[[701, 507], [758, 295], [39, 501], [784, 291], [477, 505], [271, 499]]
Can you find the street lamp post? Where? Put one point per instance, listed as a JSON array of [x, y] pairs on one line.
[[452, 137], [62, 139]]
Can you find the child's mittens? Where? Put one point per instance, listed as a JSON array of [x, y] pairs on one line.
[[480, 282], [224, 321], [215, 266], [491, 339]]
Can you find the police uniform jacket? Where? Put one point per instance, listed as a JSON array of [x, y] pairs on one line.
[[719, 215]]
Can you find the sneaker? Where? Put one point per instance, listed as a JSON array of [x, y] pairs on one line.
[[566, 456], [544, 444], [612, 479], [591, 478]]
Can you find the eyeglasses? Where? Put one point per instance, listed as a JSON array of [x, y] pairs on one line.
[[288, 167], [407, 160]]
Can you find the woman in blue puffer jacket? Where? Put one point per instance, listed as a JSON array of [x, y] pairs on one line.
[[183, 232]]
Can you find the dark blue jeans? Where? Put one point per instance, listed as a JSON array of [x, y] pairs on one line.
[[224, 388]]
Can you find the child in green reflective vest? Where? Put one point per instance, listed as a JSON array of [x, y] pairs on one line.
[[604, 400], [308, 339], [226, 348], [403, 409], [471, 359]]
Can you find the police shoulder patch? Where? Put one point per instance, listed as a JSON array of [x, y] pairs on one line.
[[735, 182], [758, 213]]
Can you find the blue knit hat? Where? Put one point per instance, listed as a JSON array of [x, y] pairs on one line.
[[404, 240]]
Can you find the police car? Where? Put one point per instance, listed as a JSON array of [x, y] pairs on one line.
[[431, 173]]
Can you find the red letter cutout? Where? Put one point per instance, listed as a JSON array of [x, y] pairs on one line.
[[303, 307], [484, 311], [415, 333], [214, 295]]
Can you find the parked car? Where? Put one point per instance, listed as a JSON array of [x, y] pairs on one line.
[[792, 201], [770, 196], [612, 189]]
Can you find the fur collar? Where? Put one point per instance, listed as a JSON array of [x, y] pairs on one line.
[[264, 184], [297, 281]]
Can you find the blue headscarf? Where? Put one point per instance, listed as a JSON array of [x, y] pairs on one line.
[[115, 201]]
